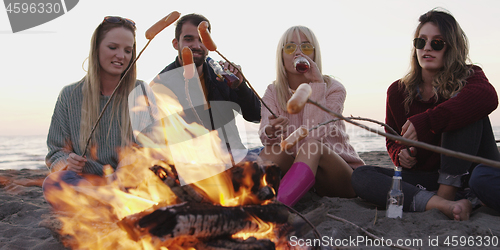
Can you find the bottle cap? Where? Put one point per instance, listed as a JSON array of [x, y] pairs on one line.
[[397, 171]]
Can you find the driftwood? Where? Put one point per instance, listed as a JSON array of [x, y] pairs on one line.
[[365, 231], [202, 222], [301, 224]]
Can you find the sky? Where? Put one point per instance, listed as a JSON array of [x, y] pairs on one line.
[[365, 44]]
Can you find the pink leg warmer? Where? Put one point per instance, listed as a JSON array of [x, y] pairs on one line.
[[296, 182]]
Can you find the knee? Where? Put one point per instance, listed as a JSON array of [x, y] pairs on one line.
[[361, 171], [269, 150], [360, 176], [52, 186], [52, 181], [479, 177], [311, 146], [311, 141]]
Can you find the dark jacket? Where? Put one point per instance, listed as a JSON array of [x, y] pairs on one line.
[[220, 91], [217, 112]]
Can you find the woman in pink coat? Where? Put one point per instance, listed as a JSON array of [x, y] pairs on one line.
[[324, 159]]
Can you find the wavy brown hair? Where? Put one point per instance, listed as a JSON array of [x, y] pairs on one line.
[[92, 90], [452, 77]]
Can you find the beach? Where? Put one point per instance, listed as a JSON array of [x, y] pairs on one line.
[[24, 215]]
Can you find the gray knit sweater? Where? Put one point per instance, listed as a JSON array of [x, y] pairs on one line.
[[64, 133]]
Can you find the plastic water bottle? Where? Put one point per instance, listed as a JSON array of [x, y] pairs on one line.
[[395, 196]]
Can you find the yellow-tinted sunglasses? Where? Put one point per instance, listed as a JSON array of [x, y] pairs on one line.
[[306, 48]]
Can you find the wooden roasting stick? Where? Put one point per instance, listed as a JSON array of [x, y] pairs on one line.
[[189, 69], [297, 103], [303, 96], [206, 39], [302, 132], [150, 34]]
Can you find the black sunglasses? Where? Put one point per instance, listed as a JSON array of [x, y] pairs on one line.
[[117, 19], [436, 44]]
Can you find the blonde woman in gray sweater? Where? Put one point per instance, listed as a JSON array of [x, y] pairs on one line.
[[78, 106]]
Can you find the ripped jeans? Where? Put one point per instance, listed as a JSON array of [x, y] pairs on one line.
[[372, 183]]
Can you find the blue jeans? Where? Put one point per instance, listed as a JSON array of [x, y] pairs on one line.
[[485, 183], [372, 183], [252, 154], [55, 182]]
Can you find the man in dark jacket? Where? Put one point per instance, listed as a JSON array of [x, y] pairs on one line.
[[206, 99]]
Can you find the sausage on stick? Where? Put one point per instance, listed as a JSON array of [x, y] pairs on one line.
[[162, 24], [299, 98], [187, 62], [294, 137], [206, 38]]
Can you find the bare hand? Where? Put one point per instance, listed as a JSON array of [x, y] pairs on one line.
[[278, 126], [236, 71], [313, 74], [408, 131], [76, 162], [405, 159]]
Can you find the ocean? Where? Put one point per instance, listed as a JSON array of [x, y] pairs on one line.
[[19, 152]]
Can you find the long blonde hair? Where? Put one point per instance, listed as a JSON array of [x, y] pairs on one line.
[[281, 82], [92, 90], [452, 77]]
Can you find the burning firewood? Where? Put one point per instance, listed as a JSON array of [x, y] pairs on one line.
[[186, 193], [265, 178], [201, 221], [260, 179]]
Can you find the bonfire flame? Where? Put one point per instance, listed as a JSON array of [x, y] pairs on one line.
[[92, 213]]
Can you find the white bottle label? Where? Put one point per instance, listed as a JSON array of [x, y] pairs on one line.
[[394, 211]]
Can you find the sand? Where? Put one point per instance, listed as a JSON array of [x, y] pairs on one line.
[[23, 210]]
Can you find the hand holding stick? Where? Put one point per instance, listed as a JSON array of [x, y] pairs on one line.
[[295, 105], [399, 138], [150, 34], [206, 39]]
